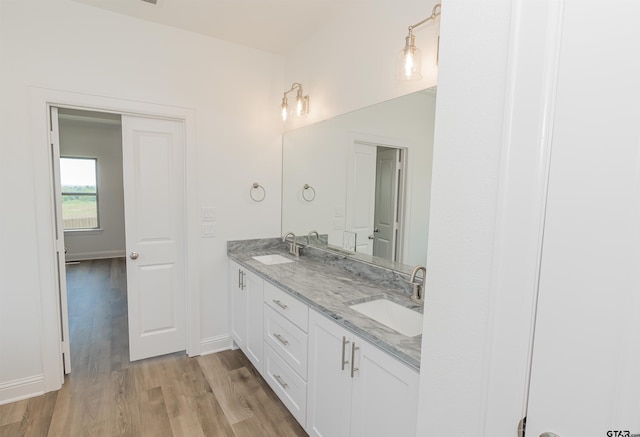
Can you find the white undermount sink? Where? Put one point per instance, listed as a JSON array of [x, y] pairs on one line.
[[272, 259], [405, 321]]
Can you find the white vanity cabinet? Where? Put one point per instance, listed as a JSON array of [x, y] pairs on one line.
[[286, 342], [332, 381], [247, 313], [354, 389]]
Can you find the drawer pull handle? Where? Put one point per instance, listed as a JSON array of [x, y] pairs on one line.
[[354, 348], [281, 381], [344, 343], [281, 339], [280, 304]]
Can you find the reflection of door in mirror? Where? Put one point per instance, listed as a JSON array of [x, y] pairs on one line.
[[374, 186], [361, 189], [386, 217]]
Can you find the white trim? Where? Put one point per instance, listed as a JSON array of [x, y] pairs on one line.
[[40, 100], [105, 254], [215, 344], [22, 388], [521, 206]]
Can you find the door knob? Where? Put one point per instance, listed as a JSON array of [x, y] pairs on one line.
[[134, 255], [549, 434]]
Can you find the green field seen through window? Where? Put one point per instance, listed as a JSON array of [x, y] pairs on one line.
[[79, 193]]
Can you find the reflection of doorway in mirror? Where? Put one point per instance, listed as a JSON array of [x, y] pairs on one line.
[[375, 187], [385, 220]]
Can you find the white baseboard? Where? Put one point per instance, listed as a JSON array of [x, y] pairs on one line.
[[23, 388], [215, 344], [95, 255]]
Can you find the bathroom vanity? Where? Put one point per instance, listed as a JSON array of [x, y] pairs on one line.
[[301, 322]]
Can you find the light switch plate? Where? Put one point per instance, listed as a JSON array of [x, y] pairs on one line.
[[208, 213], [208, 230]]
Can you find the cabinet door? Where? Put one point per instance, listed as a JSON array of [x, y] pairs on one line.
[[329, 385], [384, 395], [238, 305], [254, 315]]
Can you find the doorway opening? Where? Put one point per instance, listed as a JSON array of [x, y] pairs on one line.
[[376, 185], [93, 222], [118, 183], [50, 253]]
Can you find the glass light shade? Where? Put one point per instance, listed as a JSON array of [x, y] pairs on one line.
[[285, 109], [409, 63], [299, 107]]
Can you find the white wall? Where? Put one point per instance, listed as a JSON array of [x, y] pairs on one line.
[[84, 138], [350, 63], [59, 44], [466, 164]]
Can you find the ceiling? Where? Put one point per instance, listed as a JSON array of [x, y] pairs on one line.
[[276, 26]]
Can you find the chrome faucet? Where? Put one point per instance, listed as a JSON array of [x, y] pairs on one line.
[[310, 234], [294, 249], [418, 287]]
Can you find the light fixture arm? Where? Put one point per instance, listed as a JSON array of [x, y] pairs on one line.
[[435, 12], [295, 86]]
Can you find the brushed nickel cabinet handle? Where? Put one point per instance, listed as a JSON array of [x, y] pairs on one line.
[[344, 343], [240, 279], [354, 348], [281, 339], [281, 381], [280, 304]]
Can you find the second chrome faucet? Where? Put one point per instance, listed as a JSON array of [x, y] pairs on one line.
[[418, 287], [294, 249]]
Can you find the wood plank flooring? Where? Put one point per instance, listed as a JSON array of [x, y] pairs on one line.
[[105, 395]]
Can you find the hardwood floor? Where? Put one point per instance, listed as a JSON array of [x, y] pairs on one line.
[[105, 395]]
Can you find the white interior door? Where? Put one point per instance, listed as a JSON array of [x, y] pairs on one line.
[[153, 160], [386, 204], [586, 353], [361, 189], [59, 234]]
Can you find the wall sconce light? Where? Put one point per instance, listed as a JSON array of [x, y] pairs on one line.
[[302, 102], [409, 64]]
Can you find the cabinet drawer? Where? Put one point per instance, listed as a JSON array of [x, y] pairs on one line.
[[290, 388], [287, 305], [289, 341]]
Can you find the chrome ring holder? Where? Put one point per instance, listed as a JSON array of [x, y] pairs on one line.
[[308, 189], [257, 192]]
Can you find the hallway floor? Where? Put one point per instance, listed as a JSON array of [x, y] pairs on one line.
[[214, 395]]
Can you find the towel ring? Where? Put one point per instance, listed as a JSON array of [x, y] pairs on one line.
[[257, 192], [308, 189]]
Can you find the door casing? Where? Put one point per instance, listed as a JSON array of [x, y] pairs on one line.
[[41, 100]]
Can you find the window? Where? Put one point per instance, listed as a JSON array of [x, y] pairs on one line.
[[78, 177]]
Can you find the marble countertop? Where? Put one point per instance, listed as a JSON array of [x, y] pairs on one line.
[[329, 284]]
